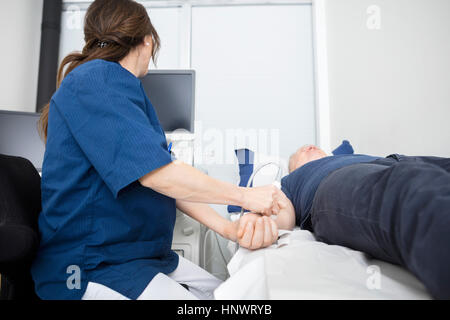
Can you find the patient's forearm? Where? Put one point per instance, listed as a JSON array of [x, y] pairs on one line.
[[285, 220], [286, 217]]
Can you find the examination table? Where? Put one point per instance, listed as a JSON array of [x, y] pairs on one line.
[[299, 267]]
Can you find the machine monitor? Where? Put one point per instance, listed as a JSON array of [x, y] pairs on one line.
[[19, 136], [172, 94]]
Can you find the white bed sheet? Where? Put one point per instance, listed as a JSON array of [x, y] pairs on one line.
[[299, 267]]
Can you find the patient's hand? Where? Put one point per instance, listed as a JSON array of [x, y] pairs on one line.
[[255, 231]]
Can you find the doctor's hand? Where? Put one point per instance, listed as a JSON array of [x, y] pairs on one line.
[[263, 200], [255, 231]]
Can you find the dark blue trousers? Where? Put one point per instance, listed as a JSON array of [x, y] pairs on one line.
[[395, 209]]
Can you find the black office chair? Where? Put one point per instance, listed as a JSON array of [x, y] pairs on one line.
[[20, 204]]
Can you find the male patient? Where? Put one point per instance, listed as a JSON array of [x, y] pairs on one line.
[[396, 209]]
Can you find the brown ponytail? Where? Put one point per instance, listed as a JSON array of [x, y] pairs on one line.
[[111, 29]]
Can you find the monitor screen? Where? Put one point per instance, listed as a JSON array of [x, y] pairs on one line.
[[172, 94], [19, 136]]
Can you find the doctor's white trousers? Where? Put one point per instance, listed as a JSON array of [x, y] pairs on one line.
[[166, 287]]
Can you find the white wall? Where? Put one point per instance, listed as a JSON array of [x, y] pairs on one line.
[[256, 73], [390, 88], [167, 22], [20, 34]]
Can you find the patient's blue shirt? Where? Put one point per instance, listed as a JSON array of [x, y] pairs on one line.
[[300, 185], [97, 222]]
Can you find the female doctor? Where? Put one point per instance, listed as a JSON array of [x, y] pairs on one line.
[[109, 186]]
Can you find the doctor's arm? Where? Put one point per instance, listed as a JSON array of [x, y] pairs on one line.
[[260, 231], [183, 182]]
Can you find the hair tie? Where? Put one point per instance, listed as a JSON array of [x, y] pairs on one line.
[[102, 44]]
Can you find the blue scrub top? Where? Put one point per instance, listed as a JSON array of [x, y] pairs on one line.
[[103, 135]]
